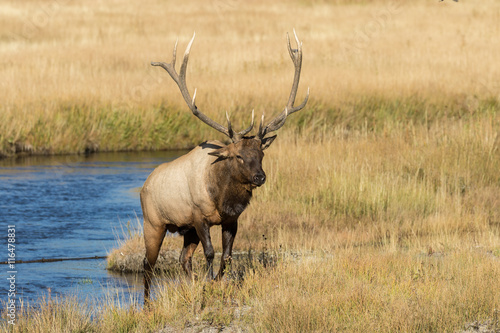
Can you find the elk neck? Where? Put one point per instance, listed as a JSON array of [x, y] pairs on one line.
[[230, 196]]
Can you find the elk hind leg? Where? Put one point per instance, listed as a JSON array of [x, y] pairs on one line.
[[153, 238]]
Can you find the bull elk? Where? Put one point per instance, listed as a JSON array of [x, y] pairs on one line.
[[210, 185]]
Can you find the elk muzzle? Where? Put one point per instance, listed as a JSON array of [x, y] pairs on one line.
[[259, 178]]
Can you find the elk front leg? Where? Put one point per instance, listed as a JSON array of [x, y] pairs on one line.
[[203, 231], [228, 234], [191, 241]]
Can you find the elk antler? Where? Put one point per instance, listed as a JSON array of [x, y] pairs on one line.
[[276, 123], [180, 79]]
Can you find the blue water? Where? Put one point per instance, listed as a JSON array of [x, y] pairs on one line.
[[71, 206]]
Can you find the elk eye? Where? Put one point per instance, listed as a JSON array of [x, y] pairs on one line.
[[239, 158]]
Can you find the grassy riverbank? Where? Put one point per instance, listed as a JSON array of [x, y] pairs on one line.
[[390, 231]]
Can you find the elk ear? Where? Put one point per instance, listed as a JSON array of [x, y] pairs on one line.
[[266, 142], [221, 153]]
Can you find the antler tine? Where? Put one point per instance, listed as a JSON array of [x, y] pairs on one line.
[[261, 133], [301, 106], [246, 131], [180, 79], [194, 98], [174, 56], [182, 74], [277, 123], [237, 136], [296, 56], [229, 128]]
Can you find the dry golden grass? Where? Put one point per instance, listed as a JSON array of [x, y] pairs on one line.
[[382, 203], [76, 75], [396, 231]]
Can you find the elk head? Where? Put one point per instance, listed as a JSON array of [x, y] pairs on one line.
[[244, 159], [245, 153]]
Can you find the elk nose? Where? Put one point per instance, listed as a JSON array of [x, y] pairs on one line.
[[259, 179]]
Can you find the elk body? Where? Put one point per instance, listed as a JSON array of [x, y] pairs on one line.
[[210, 185]]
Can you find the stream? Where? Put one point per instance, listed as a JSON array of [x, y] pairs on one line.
[[71, 207]]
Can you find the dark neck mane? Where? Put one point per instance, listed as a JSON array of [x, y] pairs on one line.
[[230, 196]]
